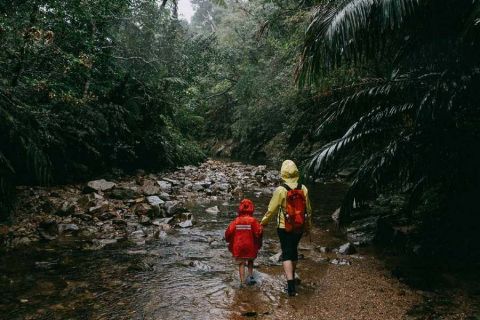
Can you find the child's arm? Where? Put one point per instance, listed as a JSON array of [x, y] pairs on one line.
[[273, 206], [257, 233], [230, 232]]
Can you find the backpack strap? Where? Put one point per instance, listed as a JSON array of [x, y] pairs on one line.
[[299, 186], [286, 187]]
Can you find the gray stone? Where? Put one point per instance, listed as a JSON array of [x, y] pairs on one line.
[[173, 207], [145, 220], [123, 194], [138, 234], [198, 186], [165, 186], [159, 222], [67, 227], [347, 248], [185, 220], [336, 216], [185, 224], [65, 209], [107, 215], [172, 181], [155, 200], [164, 196], [340, 262], [276, 258], [100, 185], [213, 210]]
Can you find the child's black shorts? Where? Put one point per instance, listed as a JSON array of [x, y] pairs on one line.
[[289, 243]]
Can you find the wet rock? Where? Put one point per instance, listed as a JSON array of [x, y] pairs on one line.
[[220, 187], [164, 196], [347, 248], [68, 227], [100, 208], [155, 200], [100, 185], [97, 244], [83, 216], [145, 220], [185, 220], [173, 207], [336, 217], [199, 265], [123, 194], [119, 222], [65, 209], [159, 222], [172, 181], [185, 224], [276, 258], [149, 188], [142, 209], [212, 210], [107, 215], [137, 234], [363, 231], [340, 262], [48, 230], [165, 186], [198, 186], [324, 249], [88, 200]]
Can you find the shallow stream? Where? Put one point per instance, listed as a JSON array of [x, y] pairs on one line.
[[188, 274]]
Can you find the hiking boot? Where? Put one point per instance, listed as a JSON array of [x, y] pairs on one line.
[[291, 288]]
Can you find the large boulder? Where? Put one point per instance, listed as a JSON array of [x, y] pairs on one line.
[[100, 185]]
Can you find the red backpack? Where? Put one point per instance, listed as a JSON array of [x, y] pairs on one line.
[[295, 213]]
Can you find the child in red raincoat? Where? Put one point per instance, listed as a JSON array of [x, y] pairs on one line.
[[244, 237]]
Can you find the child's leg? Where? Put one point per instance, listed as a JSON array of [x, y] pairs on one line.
[[250, 268], [241, 271]]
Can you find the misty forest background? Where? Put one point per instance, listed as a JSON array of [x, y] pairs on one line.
[[387, 89]]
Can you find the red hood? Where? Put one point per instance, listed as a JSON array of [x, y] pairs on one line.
[[246, 207]]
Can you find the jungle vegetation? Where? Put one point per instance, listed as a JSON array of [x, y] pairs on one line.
[[386, 86]]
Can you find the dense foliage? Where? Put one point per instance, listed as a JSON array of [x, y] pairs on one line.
[[86, 86], [416, 120]]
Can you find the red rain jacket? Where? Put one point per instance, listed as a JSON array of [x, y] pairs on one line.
[[244, 236]]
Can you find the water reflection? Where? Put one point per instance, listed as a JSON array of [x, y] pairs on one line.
[[187, 275]]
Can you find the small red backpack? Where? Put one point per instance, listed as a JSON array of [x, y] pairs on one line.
[[295, 213]]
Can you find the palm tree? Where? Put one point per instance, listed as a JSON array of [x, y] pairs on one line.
[[416, 125]]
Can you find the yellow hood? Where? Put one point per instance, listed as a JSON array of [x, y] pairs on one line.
[[289, 171]]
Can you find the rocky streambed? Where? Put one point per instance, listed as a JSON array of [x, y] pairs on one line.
[[137, 209], [150, 246]]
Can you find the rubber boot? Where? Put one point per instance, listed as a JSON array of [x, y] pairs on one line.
[[291, 288]]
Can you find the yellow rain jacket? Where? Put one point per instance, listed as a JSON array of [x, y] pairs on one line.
[[278, 203]]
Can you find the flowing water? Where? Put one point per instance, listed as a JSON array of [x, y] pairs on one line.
[[188, 274]]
